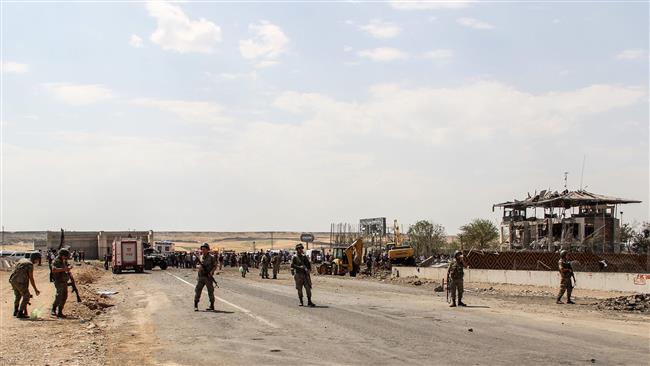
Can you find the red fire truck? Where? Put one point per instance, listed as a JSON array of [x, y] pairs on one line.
[[128, 254]]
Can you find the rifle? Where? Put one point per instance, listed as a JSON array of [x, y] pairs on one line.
[[198, 259], [72, 282], [572, 274], [447, 286]]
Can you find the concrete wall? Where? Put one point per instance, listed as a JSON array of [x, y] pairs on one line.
[[586, 280]]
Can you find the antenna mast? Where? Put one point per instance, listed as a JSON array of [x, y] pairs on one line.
[[582, 173]]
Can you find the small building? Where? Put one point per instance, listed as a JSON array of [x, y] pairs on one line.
[[549, 221], [94, 244]]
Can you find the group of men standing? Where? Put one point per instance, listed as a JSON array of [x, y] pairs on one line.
[[23, 275], [300, 268]]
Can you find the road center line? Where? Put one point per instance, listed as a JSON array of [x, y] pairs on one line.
[[243, 310]]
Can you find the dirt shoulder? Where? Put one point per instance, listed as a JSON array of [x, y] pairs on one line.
[[47, 340]]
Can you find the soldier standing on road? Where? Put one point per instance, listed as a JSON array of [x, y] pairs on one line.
[[206, 270], [455, 276], [61, 273], [300, 264], [21, 277], [566, 272], [275, 261], [264, 261], [245, 262]]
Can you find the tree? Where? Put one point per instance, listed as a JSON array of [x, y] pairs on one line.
[[479, 233], [426, 237], [640, 241], [627, 233]]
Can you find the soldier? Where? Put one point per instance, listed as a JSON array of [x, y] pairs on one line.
[[264, 261], [61, 274], [276, 260], [21, 277], [300, 264], [455, 279], [245, 262], [566, 272], [206, 270]]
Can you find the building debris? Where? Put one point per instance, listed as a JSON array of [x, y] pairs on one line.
[[577, 220], [638, 302]]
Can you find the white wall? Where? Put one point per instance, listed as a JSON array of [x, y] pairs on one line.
[[587, 280]]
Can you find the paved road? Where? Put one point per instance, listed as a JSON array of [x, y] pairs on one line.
[[360, 322]]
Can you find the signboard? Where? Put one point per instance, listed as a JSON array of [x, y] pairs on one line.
[[307, 237], [374, 226]]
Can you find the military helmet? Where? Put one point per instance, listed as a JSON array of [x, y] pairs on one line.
[[64, 253], [34, 256], [563, 253], [299, 246], [206, 246], [457, 253]]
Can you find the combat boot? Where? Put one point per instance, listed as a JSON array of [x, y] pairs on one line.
[[211, 308], [453, 304], [569, 301], [461, 303], [301, 302], [559, 301], [16, 310], [310, 304], [61, 315], [22, 314], [53, 312], [196, 306]]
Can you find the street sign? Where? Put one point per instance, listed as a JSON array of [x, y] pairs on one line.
[[307, 237]]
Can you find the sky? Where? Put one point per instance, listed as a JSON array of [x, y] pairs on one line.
[[292, 116]]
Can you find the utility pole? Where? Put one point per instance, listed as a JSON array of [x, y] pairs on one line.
[[271, 240], [3, 238]]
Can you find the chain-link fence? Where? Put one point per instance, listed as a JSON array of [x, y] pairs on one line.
[[544, 261]]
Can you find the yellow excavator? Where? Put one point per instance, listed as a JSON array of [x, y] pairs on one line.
[[346, 260], [400, 252]]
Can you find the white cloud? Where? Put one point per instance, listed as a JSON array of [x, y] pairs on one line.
[[381, 29], [439, 54], [189, 111], [78, 94], [632, 54], [383, 54], [426, 5], [347, 49], [474, 23], [135, 41], [177, 32], [9, 67], [477, 111], [267, 44], [233, 76]]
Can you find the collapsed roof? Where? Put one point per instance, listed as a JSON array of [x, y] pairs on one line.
[[565, 199]]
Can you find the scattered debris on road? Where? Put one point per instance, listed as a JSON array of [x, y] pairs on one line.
[[638, 302]]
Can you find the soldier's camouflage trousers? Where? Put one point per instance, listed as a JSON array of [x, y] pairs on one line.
[[276, 270], [204, 281], [61, 295], [456, 286], [21, 293], [265, 271], [303, 280]]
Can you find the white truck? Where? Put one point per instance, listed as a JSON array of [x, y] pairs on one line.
[[128, 254]]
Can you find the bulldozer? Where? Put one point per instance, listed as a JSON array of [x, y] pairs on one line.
[[346, 260], [400, 252]]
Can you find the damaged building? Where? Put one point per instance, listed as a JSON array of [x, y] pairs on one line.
[[549, 221]]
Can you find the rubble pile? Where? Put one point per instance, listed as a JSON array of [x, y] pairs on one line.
[[87, 274], [638, 302]]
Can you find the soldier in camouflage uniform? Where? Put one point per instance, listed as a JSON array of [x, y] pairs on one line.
[[566, 272], [300, 264], [275, 261], [60, 272], [21, 277], [455, 276], [264, 261], [206, 270]]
